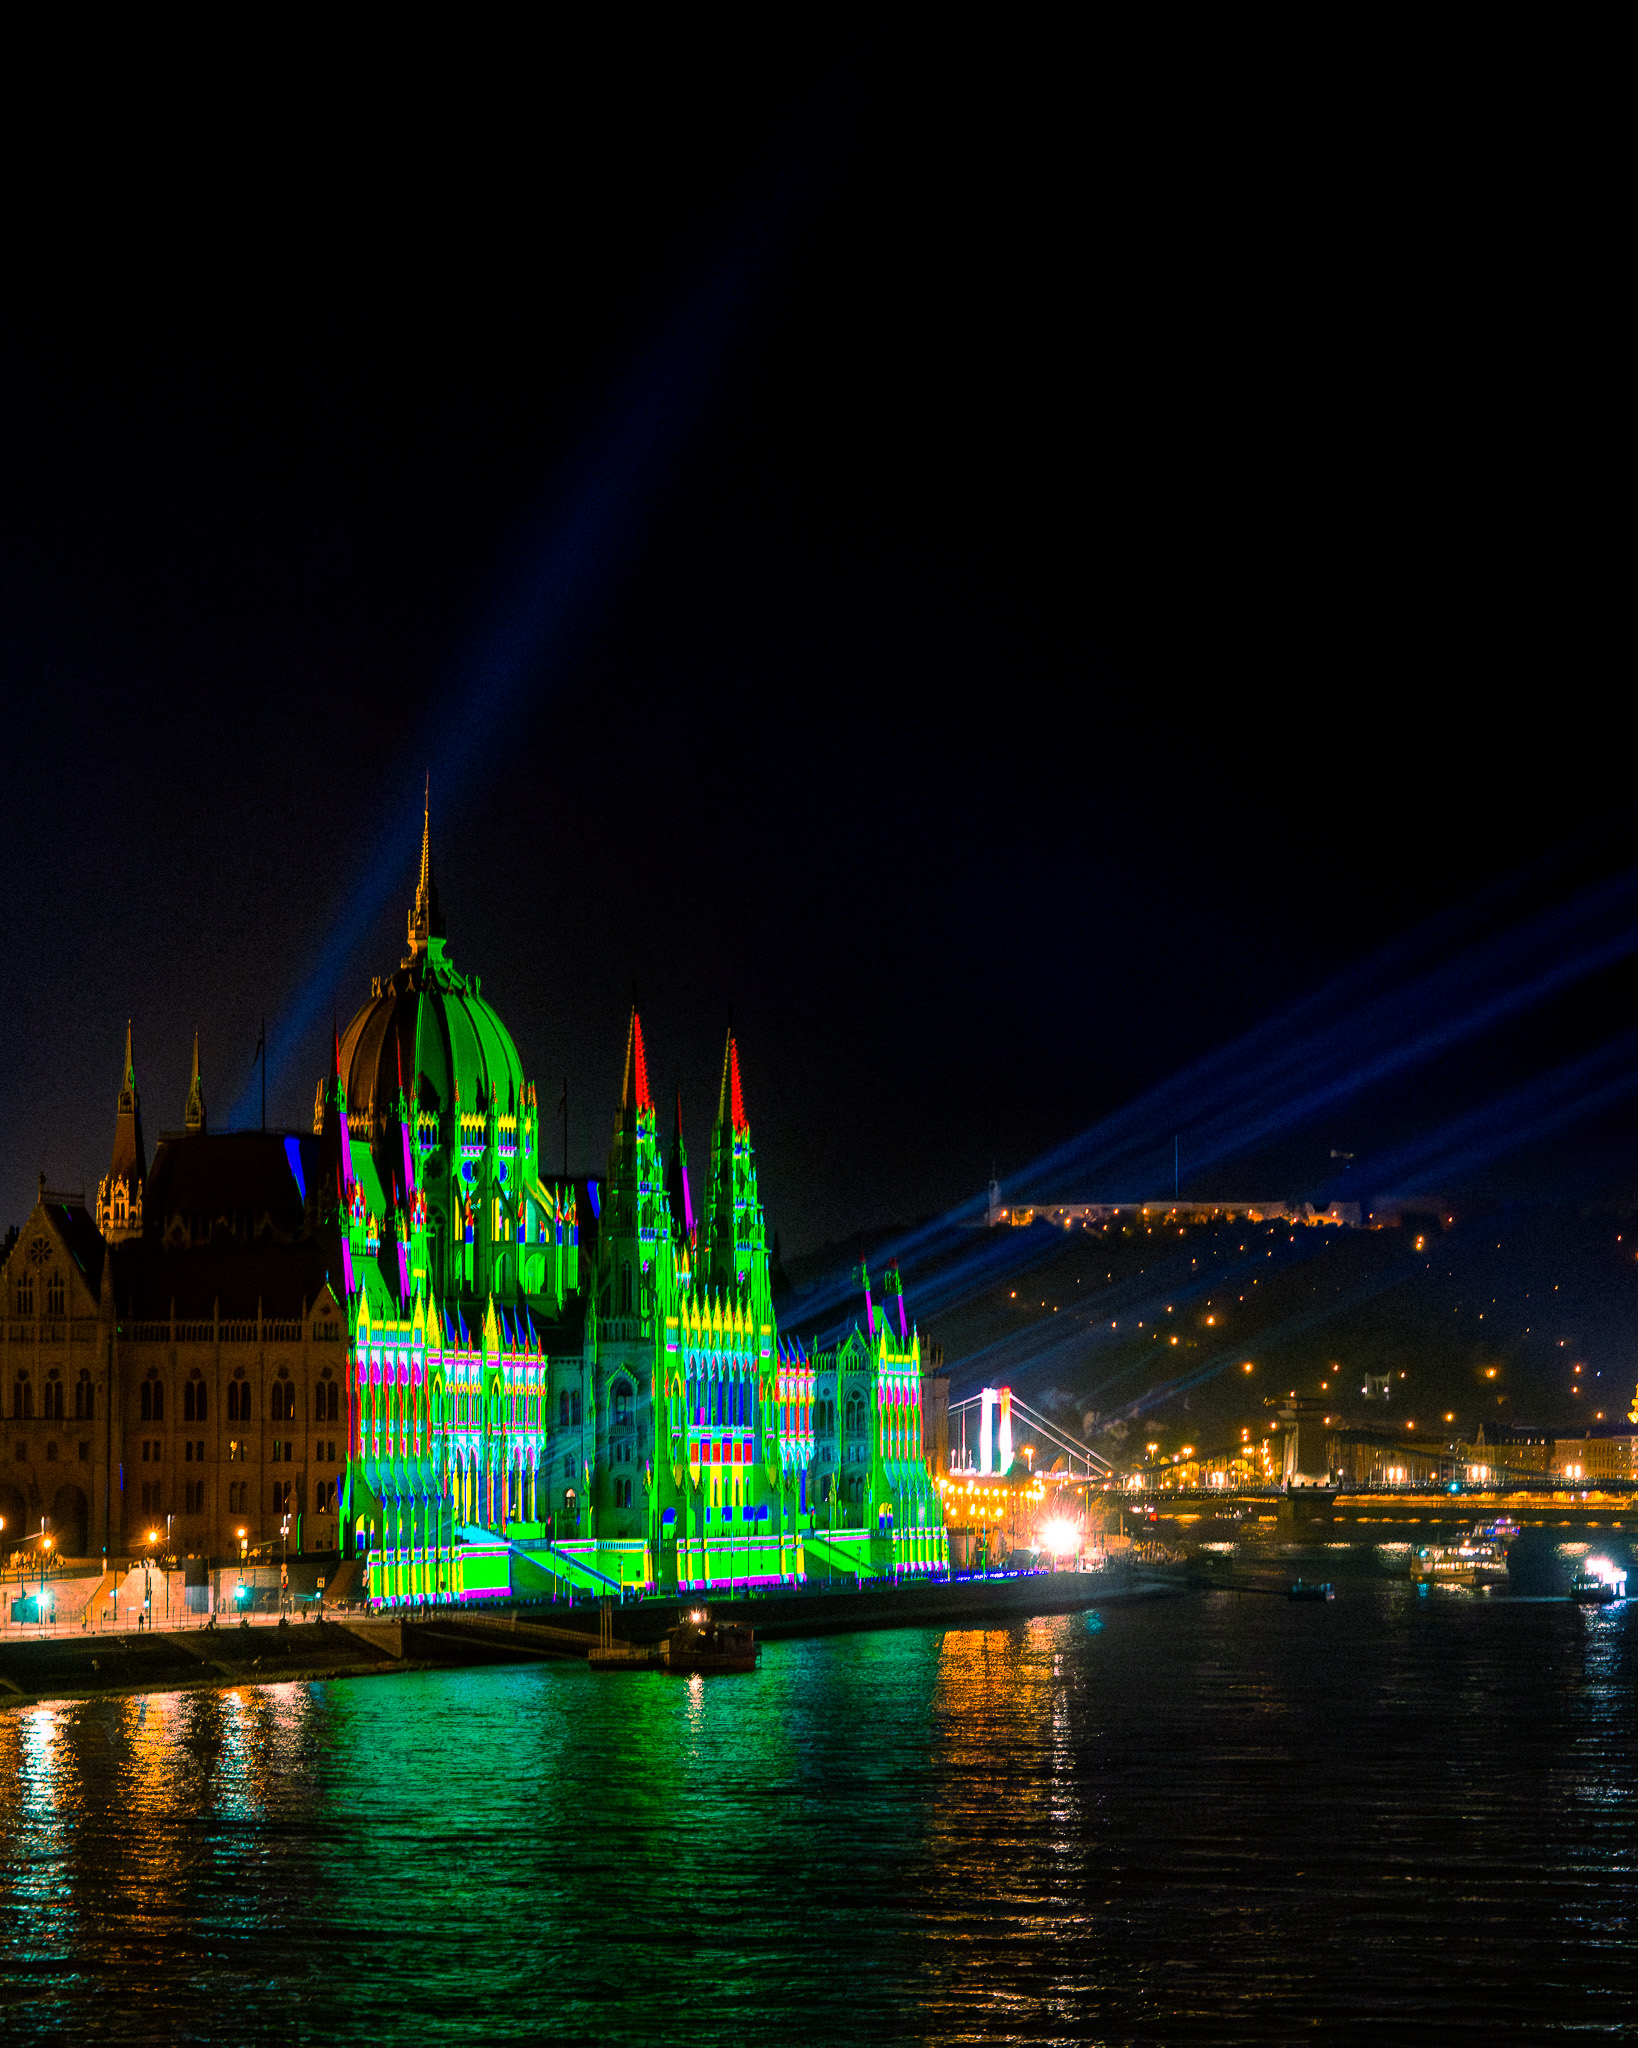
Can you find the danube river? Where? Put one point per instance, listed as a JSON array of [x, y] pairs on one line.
[[1216, 1818]]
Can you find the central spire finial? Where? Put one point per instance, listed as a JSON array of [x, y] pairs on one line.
[[425, 920]]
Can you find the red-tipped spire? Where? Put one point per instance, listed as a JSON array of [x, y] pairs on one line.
[[634, 1087], [730, 1102]]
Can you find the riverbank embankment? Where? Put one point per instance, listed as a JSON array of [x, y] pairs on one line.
[[68, 1664]]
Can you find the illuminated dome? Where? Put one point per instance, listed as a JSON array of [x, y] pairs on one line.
[[428, 1031], [438, 1115]]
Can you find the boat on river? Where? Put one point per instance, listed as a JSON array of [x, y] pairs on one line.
[[1478, 1558], [1311, 1589], [1596, 1589], [700, 1643]]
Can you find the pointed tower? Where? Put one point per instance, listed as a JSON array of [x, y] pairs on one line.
[[119, 1193], [893, 1301], [736, 1245], [676, 1186], [426, 919], [633, 1208], [634, 1093], [193, 1117], [338, 1194]]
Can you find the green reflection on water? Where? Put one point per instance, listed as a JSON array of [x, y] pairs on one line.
[[1213, 1820]]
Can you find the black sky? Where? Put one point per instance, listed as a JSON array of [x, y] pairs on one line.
[[1113, 561]]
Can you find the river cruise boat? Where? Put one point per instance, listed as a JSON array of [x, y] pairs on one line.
[[1477, 1559], [699, 1643], [1311, 1589], [1591, 1589]]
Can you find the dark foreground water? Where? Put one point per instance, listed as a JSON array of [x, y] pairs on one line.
[[1209, 1819]]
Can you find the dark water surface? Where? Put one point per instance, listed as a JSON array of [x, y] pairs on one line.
[[1216, 1818]]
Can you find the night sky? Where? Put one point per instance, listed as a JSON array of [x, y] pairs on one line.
[[1004, 580]]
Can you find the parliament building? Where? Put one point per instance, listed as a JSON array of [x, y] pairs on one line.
[[396, 1338]]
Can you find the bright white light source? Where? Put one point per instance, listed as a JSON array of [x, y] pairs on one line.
[[1060, 1537]]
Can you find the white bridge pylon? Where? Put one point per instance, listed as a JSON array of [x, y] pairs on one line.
[[992, 1411]]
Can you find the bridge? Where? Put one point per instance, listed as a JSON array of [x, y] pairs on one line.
[[1340, 1512], [991, 1450]]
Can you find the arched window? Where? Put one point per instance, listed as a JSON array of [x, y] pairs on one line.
[[54, 1294], [85, 1399], [622, 1405], [625, 1287], [146, 1401], [563, 1409], [159, 1400]]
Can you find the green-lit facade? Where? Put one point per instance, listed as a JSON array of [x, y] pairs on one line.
[[569, 1385]]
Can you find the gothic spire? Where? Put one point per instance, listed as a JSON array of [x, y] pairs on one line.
[[119, 1197], [730, 1102], [193, 1116], [735, 1240], [634, 1086], [677, 1189], [426, 920]]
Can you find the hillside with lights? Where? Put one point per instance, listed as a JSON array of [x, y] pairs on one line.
[[1162, 1333]]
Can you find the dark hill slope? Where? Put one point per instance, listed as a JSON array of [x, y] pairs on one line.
[[1482, 1317]]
